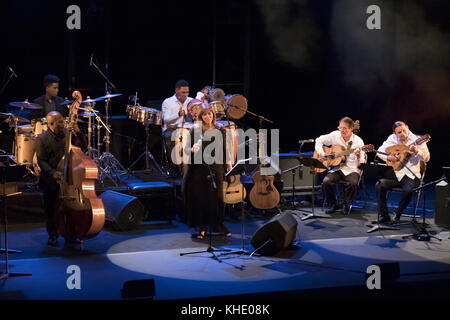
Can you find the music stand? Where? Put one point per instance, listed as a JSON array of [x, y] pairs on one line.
[[378, 170], [9, 173], [313, 164], [240, 168]]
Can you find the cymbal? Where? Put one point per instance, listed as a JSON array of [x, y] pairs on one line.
[[10, 115], [86, 114], [89, 100], [25, 104], [66, 102], [108, 96]]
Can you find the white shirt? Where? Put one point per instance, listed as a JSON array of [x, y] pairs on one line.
[[335, 139], [170, 108], [414, 161]]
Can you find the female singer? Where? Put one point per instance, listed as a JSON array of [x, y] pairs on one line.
[[203, 198]]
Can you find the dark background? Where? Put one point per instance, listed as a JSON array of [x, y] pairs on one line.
[[303, 64]]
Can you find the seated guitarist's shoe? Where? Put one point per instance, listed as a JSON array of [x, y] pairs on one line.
[[332, 209], [397, 216]]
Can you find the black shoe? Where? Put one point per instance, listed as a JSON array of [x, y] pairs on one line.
[[332, 209], [397, 217], [73, 245], [52, 240], [385, 220]]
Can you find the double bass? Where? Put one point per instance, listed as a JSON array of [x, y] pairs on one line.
[[79, 214]]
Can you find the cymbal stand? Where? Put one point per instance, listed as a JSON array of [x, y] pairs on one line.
[[147, 154], [107, 161]]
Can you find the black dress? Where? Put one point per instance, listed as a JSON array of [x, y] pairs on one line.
[[203, 203]]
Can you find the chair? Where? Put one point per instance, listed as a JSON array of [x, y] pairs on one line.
[[417, 193], [340, 192]]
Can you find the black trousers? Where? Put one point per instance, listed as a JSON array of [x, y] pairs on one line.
[[384, 185], [351, 185], [50, 189]]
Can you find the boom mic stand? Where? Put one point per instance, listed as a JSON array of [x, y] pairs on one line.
[[422, 234]]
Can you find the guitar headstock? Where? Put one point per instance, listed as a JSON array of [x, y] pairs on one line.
[[368, 148], [423, 139]]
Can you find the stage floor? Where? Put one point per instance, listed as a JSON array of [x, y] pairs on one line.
[[329, 257]]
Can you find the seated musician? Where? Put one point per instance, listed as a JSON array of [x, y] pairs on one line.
[[50, 100], [49, 150], [174, 112], [348, 169], [408, 177]]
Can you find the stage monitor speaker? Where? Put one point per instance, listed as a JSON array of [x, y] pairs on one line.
[[275, 235], [442, 205], [138, 289], [302, 178], [125, 212]]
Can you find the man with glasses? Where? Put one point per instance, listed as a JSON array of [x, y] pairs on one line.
[[347, 170]]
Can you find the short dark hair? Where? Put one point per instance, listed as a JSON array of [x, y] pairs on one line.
[[49, 79], [398, 124], [181, 83]]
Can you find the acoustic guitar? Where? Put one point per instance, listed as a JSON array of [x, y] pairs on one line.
[[263, 195], [334, 155], [402, 152], [233, 190]]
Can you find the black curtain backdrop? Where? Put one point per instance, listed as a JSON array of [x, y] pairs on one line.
[[303, 64]]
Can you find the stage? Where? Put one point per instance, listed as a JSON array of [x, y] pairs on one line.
[[328, 259]]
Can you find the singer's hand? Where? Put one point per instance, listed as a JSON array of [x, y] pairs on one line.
[[358, 153]]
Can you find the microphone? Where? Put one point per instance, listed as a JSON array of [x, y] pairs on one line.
[[306, 141], [12, 72], [92, 57]]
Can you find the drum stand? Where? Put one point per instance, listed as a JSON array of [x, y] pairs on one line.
[[147, 154]]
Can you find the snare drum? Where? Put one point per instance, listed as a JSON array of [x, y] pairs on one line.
[[25, 129], [218, 108], [39, 126], [25, 149], [149, 116], [231, 139]]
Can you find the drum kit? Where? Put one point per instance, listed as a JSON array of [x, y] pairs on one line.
[[25, 133]]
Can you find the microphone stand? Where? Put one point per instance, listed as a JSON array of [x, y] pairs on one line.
[[210, 248], [6, 84]]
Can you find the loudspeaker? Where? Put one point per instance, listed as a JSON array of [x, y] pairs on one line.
[[275, 235], [302, 178], [138, 289], [124, 211], [442, 205]]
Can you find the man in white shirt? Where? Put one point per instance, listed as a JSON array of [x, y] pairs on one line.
[[408, 177], [348, 170], [174, 112]]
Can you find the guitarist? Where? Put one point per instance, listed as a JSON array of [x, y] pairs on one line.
[[408, 177], [50, 149], [348, 169]]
